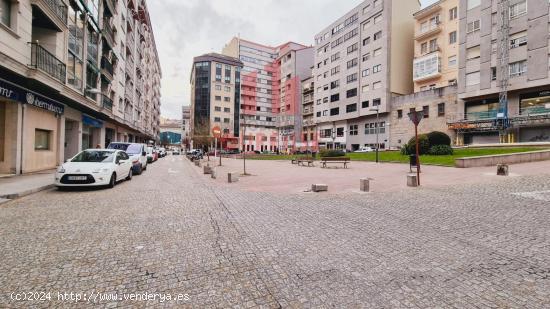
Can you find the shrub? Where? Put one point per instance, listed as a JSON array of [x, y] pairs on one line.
[[331, 153], [423, 145], [439, 138], [441, 150]]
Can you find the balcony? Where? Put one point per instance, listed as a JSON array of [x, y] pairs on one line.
[[432, 29], [130, 70], [107, 68], [307, 111], [108, 33], [107, 102], [111, 6], [129, 93], [55, 10], [45, 61], [427, 67], [130, 42], [139, 85]]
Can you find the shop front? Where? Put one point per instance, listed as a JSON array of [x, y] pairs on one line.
[[93, 133], [535, 106]]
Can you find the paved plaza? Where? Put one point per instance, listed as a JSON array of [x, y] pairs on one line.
[[175, 231]]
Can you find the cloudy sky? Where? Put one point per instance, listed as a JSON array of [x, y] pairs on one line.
[[185, 29]]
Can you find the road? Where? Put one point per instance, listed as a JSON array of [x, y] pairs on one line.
[[172, 232]]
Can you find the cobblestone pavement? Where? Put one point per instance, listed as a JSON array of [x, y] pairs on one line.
[[171, 231]]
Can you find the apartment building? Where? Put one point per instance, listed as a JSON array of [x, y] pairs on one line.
[[62, 80], [215, 99], [170, 132], [435, 71], [484, 39], [186, 124], [362, 60], [435, 62], [309, 128], [271, 93]]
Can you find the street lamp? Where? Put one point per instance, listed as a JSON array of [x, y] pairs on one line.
[[416, 117], [377, 126]]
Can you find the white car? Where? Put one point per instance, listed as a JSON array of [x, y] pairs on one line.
[[365, 149], [136, 152], [95, 167]]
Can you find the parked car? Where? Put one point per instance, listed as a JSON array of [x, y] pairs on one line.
[[152, 154], [137, 153], [95, 167], [364, 149], [162, 152], [176, 152]]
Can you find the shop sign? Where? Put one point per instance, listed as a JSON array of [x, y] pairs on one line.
[[92, 122], [15, 93]]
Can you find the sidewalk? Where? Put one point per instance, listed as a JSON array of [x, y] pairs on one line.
[[18, 186]]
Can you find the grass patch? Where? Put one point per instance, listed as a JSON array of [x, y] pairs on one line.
[[396, 156]]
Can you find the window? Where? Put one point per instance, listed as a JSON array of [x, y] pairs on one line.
[[217, 119], [453, 13], [335, 84], [218, 98], [352, 63], [325, 87], [452, 37], [452, 61], [365, 104], [440, 109], [472, 78], [518, 9], [318, 101], [335, 97], [335, 57], [365, 72], [335, 70], [473, 3], [227, 110], [218, 87], [377, 68], [325, 112], [376, 85], [351, 78], [318, 114], [493, 73], [226, 120], [335, 111], [352, 48], [227, 99], [325, 100], [5, 12], [351, 93], [518, 68], [366, 56], [42, 139], [366, 41], [473, 53], [340, 132], [376, 102], [353, 129], [227, 89], [473, 26], [426, 110], [424, 48], [433, 45], [399, 113], [350, 108], [377, 19], [367, 25], [217, 108], [365, 88], [377, 35], [518, 39]]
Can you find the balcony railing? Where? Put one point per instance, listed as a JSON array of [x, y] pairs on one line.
[[491, 114], [58, 8], [107, 102], [47, 62], [108, 32], [107, 66]]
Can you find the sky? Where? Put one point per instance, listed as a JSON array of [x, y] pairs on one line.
[[190, 28]]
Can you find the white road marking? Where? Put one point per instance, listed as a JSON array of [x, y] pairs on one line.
[[171, 171], [536, 195]]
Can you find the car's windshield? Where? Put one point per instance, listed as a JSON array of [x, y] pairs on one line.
[[133, 149], [94, 156]]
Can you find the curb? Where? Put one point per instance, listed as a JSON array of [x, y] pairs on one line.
[[13, 196]]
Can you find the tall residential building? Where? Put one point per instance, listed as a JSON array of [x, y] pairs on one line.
[[215, 99], [484, 39], [186, 124], [436, 46], [271, 93], [309, 128], [362, 60], [64, 74]]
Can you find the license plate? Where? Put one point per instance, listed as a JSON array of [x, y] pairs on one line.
[[78, 177]]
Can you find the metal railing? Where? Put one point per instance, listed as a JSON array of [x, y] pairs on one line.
[[107, 66], [59, 8], [108, 32], [107, 102], [47, 62]]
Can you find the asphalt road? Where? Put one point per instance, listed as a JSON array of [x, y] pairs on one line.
[[171, 238]]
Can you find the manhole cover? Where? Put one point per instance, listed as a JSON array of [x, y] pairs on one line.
[[536, 195]]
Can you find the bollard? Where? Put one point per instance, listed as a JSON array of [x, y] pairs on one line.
[[502, 169], [207, 169], [319, 187], [364, 185], [412, 180], [213, 174], [232, 177]]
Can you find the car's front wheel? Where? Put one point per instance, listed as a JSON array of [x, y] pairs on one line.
[[130, 174], [112, 181]]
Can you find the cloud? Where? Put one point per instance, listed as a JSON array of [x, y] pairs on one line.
[[190, 28]]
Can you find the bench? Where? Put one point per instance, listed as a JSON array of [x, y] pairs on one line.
[[343, 160], [307, 160]]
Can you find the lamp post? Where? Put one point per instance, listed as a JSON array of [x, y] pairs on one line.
[[377, 126], [416, 117]]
